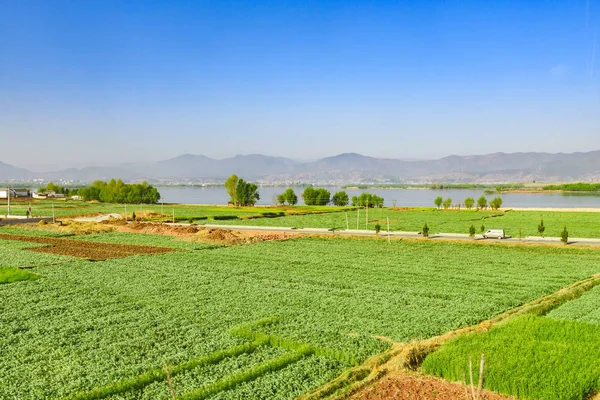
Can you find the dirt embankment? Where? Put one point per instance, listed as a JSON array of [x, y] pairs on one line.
[[201, 234]]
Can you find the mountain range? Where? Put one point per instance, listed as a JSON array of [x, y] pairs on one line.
[[343, 168]]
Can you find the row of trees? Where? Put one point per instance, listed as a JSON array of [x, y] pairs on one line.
[[115, 191], [367, 200], [51, 187], [313, 197], [241, 193], [469, 202]]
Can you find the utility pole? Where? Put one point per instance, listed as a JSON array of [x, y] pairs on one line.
[[357, 218], [8, 197], [53, 219], [388, 224], [173, 215], [347, 226], [125, 212], [367, 219]]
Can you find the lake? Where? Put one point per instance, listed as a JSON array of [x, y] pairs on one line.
[[402, 197]]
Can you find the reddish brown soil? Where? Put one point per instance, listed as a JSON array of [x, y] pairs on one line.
[[84, 249], [202, 234], [405, 386]]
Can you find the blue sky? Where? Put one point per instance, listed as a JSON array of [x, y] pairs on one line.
[[105, 82]]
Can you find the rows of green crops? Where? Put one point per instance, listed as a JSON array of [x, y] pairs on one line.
[[579, 224], [89, 324], [531, 357], [585, 309]]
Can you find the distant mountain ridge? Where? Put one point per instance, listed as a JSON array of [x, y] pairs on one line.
[[342, 168]]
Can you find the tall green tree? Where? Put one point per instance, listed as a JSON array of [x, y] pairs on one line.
[[469, 202], [290, 196], [316, 197], [438, 201], [246, 193], [496, 203], [482, 202], [230, 186], [340, 199], [447, 203]]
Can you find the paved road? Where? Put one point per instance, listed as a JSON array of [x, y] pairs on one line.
[[395, 234]]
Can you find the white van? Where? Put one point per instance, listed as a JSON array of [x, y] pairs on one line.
[[494, 233]]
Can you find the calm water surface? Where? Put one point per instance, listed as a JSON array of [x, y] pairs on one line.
[[403, 197]]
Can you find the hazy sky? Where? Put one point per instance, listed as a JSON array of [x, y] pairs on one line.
[[105, 82]]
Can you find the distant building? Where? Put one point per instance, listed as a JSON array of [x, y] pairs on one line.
[[14, 193]]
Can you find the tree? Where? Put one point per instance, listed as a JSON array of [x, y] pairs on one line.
[[564, 236], [316, 197], [472, 231], [340, 199], [541, 227], [230, 186], [367, 200], [496, 203], [290, 197], [482, 228], [281, 199], [447, 203], [425, 230], [469, 202], [246, 194], [438, 201], [377, 229], [482, 202]]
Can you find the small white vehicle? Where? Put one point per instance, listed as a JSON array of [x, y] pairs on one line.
[[494, 233]]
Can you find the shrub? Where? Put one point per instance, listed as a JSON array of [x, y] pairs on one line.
[[564, 236], [425, 230], [438, 201], [472, 231], [377, 229], [541, 227], [482, 229], [224, 217]]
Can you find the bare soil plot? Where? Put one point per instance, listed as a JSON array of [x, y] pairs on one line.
[[88, 250], [406, 386]]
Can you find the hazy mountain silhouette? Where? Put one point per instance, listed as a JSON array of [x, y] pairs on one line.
[[349, 167]]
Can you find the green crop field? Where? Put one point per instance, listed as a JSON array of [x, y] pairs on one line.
[[530, 357], [579, 224], [104, 329], [74, 208], [584, 309]]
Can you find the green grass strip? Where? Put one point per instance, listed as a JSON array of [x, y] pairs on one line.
[[246, 376], [12, 274], [158, 374], [247, 332]]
